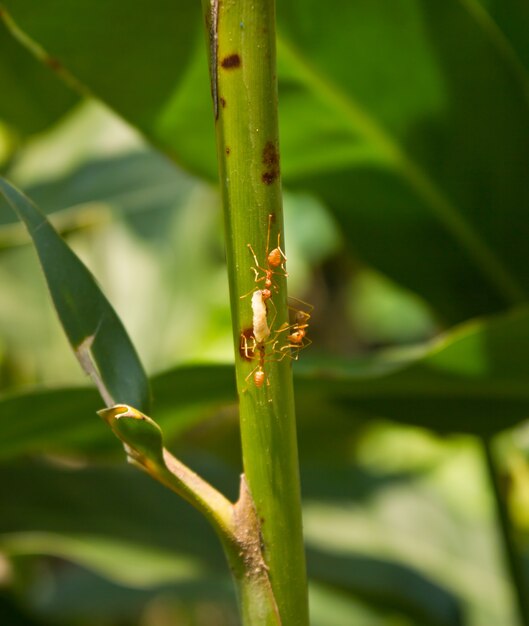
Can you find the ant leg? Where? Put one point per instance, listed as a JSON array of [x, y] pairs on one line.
[[283, 255], [285, 352], [307, 341], [307, 305], [249, 352], [252, 372], [256, 260], [257, 280], [275, 313]]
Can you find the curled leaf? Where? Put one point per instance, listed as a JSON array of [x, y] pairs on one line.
[[140, 435]]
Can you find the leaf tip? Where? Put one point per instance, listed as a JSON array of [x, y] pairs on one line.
[[120, 410]]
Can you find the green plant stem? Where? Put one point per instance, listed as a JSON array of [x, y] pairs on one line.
[[143, 443], [512, 558], [236, 525], [243, 70]]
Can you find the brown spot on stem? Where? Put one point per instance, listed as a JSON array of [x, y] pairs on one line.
[[222, 102], [54, 63], [247, 339], [228, 150], [232, 61], [269, 177], [271, 163], [270, 155]]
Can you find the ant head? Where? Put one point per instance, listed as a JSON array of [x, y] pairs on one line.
[[302, 316], [274, 258], [266, 293]]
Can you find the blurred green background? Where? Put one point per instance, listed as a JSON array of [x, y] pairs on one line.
[[405, 144]]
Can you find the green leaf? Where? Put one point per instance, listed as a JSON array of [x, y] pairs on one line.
[[104, 517], [135, 533], [435, 523], [95, 332], [64, 419], [155, 84], [474, 380], [419, 112], [142, 185], [32, 96], [141, 435], [60, 420], [81, 596], [100, 515], [125, 562], [330, 607], [386, 584], [416, 148], [512, 19]]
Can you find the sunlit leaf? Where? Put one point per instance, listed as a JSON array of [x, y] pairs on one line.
[[113, 509], [387, 584], [96, 334], [474, 380], [383, 139], [142, 185], [134, 532], [159, 77]]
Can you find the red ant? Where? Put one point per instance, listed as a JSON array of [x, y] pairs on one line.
[[275, 258], [297, 339]]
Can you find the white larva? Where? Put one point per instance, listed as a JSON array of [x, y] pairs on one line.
[[261, 332]]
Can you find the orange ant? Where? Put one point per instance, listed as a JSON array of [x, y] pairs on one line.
[[253, 345], [297, 339], [275, 258]]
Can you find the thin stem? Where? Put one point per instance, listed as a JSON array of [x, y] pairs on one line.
[[143, 442], [512, 558], [237, 525], [243, 71]]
